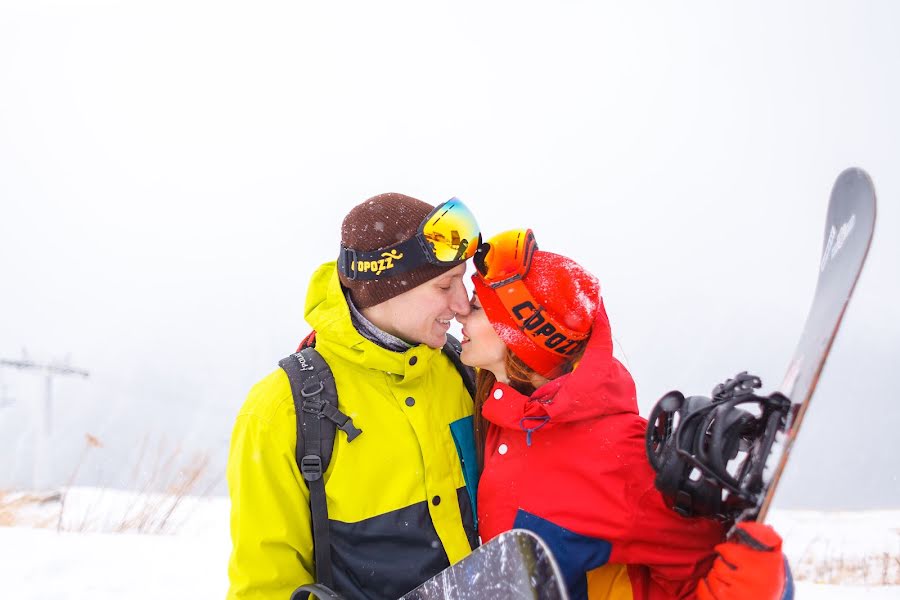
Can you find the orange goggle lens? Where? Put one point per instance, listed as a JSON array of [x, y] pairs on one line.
[[505, 257], [451, 232]]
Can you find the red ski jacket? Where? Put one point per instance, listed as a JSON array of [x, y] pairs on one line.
[[569, 463]]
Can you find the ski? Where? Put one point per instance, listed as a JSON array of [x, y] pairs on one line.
[[514, 565], [723, 456]]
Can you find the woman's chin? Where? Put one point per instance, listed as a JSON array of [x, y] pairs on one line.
[[467, 358]]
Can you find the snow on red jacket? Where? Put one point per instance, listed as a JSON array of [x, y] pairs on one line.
[[569, 463]]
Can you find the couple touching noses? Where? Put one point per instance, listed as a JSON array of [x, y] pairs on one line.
[[561, 450], [551, 441]]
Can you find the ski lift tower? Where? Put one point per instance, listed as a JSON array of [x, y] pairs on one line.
[[44, 413]]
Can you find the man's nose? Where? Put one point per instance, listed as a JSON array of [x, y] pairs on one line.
[[459, 300]]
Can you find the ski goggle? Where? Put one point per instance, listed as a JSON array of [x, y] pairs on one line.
[[448, 236], [506, 257]]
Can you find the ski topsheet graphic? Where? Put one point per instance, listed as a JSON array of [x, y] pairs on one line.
[[512, 566], [723, 456]]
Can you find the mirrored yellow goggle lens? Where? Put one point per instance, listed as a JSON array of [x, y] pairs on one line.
[[452, 232]]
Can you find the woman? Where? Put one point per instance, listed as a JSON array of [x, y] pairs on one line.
[[560, 440]]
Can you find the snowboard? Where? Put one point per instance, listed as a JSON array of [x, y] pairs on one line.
[[848, 234], [723, 456], [514, 565]]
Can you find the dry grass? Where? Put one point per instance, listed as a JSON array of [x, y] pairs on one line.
[[16, 507], [90, 442], [832, 566], [168, 479], [152, 513]]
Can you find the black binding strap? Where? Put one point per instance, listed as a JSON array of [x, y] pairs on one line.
[[315, 401]]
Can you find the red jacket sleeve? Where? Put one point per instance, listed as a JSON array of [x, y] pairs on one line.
[[667, 554]]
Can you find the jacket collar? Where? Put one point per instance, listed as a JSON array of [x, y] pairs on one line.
[[327, 312], [599, 386], [371, 332]]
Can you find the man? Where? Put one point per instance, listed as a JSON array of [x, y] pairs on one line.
[[398, 507]]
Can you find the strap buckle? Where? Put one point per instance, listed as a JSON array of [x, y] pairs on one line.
[[311, 467], [349, 428], [347, 262]]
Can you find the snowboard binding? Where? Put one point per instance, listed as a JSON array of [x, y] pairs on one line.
[[710, 454]]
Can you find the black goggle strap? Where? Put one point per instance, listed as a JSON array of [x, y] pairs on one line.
[[386, 262], [478, 259]]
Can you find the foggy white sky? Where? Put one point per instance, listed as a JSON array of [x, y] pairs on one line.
[[172, 172]]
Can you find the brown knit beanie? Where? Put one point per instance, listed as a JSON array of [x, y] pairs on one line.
[[377, 223]]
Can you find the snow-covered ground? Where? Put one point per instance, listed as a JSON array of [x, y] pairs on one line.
[[102, 544], [851, 548]]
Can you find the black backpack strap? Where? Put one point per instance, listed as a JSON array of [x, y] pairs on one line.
[[452, 349], [315, 402]]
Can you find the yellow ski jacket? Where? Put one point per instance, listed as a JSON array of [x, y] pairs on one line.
[[398, 506]]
